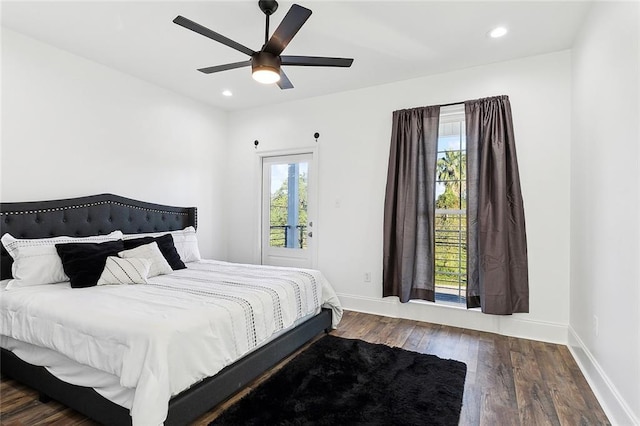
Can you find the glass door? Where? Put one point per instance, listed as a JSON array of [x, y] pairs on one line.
[[287, 210]]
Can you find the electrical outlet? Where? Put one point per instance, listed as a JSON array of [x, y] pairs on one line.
[[596, 326], [367, 277]]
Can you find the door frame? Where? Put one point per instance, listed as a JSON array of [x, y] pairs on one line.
[[312, 195]]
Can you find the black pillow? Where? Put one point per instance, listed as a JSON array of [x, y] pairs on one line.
[[166, 246], [84, 262]]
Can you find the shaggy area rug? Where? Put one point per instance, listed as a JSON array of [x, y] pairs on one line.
[[339, 381]]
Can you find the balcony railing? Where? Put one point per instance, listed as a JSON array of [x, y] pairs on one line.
[[278, 236], [451, 255]]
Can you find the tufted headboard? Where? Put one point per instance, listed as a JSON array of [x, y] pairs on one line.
[[84, 216]]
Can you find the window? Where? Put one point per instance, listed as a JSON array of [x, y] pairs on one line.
[[451, 205], [427, 201]]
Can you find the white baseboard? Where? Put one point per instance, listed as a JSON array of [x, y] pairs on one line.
[[511, 325], [614, 406]]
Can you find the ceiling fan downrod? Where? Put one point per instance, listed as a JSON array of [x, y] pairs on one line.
[[268, 7]]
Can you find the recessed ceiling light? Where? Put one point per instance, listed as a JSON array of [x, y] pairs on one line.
[[227, 93], [498, 32]]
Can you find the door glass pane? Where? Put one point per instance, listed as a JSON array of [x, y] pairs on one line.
[[288, 205]]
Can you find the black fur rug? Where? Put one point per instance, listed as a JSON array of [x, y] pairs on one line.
[[340, 381]]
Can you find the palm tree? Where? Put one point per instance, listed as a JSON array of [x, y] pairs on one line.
[[452, 171]]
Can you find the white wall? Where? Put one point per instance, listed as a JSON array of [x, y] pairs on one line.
[[72, 127], [604, 207], [355, 131]]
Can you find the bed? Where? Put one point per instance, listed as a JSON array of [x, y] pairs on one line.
[[103, 214]]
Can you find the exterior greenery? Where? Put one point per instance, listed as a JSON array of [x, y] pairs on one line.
[[451, 223], [279, 214]]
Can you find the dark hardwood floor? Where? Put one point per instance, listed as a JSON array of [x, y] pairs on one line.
[[509, 381]]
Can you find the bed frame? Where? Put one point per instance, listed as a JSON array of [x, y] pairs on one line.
[[102, 214]]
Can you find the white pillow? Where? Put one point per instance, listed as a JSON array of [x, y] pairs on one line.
[[159, 265], [36, 261], [125, 271], [185, 241]]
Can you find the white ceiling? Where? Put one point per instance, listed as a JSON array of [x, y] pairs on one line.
[[389, 40]]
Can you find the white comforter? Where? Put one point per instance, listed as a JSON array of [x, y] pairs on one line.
[[160, 338]]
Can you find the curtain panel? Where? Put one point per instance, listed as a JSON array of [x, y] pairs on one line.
[[409, 236], [497, 268]]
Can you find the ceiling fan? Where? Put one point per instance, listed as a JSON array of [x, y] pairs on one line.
[[266, 63]]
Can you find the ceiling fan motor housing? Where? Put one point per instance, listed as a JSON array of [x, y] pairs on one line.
[[265, 61]]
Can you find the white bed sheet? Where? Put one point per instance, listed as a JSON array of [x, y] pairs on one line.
[[161, 338], [78, 374], [70, 371]]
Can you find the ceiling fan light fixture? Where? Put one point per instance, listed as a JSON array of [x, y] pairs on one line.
[[265, 68], [266, 75]]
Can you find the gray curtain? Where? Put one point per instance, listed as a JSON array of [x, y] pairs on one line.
[[497, 243], [409, 240]]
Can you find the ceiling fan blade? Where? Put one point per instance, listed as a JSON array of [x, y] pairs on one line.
[[284, 82], [193, 26], [218, 68], [316, 61], [289, 27]]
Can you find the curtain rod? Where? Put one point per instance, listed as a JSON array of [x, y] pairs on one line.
[[451, 104], [458, 103], [472, 100], [438, 105]]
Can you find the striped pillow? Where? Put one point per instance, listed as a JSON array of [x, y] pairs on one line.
[[132, 270], [159, 265]]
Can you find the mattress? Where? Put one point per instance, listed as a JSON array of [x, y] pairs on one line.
[[144, 344]]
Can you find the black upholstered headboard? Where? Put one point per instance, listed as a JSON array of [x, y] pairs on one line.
[[84, 216]]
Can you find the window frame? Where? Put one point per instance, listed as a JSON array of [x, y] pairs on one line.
[[448, 115]]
